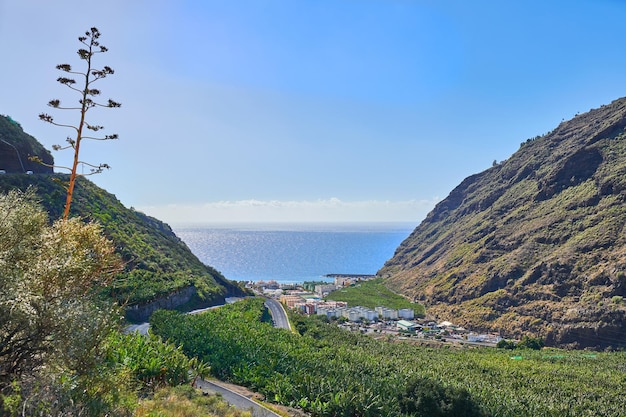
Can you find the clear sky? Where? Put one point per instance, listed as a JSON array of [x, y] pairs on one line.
[[311, 110]]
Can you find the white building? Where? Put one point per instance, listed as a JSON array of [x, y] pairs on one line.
[[406, 313], [328, 312], [366, 313], [406, 325], [324, 290], [387, 313], [343, 281], [354, 315]]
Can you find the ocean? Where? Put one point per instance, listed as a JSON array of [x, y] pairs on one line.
[[291, 253]]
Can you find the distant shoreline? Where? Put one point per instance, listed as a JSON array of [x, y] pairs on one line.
[[349, 275], [302, 226], [293, 253]]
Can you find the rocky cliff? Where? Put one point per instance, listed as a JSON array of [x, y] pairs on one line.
[[534, 245]]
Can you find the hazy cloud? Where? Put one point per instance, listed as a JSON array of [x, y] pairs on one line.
[[323, 210]]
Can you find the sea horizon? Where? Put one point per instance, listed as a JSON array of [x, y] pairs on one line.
[[300, 225], [290, 252]]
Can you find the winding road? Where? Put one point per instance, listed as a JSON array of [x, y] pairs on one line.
[[280, 319], [235, 399], [279, 315]]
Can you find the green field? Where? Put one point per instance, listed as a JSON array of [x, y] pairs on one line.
[[331, 372], [372, 294]]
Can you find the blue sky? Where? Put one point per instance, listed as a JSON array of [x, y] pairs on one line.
[[311, 110]]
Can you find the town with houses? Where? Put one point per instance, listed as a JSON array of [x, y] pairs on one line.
[[310, 299]]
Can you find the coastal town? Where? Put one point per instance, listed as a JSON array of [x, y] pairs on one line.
[[381, 321]]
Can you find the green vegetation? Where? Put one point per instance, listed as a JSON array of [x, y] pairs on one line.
[[156, 262], [533, 245], [184, 401], [373, 293], [54, 326], [61, 351], [16, 146], [310, 285], [527, 342], [331, 372], [150, 362], [424, 397]]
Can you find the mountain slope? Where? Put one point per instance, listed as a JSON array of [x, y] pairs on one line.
[[16, 146], [534, 245], [157, 262], [160, 270]]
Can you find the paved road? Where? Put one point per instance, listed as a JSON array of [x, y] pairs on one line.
[[235, 399], [279, 316], [141, 328]]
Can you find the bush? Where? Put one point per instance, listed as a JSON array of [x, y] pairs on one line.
[[506, 344], [151, 362], [528, 342], [424, 397]]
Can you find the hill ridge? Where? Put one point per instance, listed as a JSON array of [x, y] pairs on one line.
[[16, 146], [160, 270], [534, 244]]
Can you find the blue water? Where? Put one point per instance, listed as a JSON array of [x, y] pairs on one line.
[[291, 253]]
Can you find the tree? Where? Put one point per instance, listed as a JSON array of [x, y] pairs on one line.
[[86, 102], [506, 344], [52, 322], [199, 369], [528, 342]]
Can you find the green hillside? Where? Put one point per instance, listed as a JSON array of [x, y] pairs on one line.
[[371, 294], [533, 245], [157, 262], [16, 146]]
